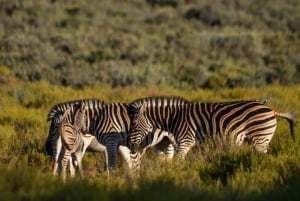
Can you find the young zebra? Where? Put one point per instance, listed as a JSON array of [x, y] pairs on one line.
[[54, 144], [72, 138], [237, 121], [55, 116]]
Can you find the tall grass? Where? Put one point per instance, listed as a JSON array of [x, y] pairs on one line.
[[209, 173]]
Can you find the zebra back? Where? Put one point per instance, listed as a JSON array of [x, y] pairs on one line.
[[195, 122], [156, 101], [61, 107]]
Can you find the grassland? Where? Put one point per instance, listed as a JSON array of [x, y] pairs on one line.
[[201, 50], [209, 173]]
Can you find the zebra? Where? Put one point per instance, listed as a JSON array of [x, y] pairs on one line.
[[238, 121], [55, 116], [72, 138], [54, 144], [108, 123], [105, 122], [160, 101], [114, 124]]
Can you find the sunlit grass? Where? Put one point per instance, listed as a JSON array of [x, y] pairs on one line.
[[209, 173]]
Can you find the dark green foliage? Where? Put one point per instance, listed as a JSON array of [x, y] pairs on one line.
[[181, 44]]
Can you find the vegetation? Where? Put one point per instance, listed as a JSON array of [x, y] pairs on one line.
[[209, 173], [119, 50], [181, 44]]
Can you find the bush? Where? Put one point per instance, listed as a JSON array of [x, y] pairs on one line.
[[84, 43]]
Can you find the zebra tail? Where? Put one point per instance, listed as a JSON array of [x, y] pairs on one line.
[[290, 117]]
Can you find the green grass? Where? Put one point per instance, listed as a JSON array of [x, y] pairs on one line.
[[209, 173]]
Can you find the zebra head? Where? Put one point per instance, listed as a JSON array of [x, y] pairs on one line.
[[67, 115], [140, 127], [80, 118]]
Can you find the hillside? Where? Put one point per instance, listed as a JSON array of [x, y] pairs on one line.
[[182, 44]]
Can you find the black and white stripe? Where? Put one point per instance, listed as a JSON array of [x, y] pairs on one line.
[[238, 121], [55, 116], [72, 138], [54, 143], [109, 124]]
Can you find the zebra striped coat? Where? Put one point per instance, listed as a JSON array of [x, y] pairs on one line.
[[54, 143], [237, 121], [55, 116], [105, 122], [108, 123], [72, 138]]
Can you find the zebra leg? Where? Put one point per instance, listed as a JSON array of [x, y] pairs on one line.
[[57, 163], [170, 152], [173, 141], [111, 143], [136, 160], [170, 148], [240, 139], [260, 140], [112, 152], [125, 153], [261, 145], [73, 161], [106, 161], [79, 159], [65, 161], [56, 167], [184, 148]]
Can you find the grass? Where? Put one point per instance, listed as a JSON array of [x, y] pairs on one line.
[[209, 173]]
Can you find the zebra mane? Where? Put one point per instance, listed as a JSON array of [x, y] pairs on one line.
[[66, 113], [61, 107], [160, 100], [135, 105], [80, 117]]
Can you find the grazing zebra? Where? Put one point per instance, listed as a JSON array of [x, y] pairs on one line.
[[114, 124], [237, 121], [154, 138], [73, 141], [166, 117], [108, 123]]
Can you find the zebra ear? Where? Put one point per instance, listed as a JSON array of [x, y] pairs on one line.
[[83, 106], [143, 108], [131, 109], [67, 112]]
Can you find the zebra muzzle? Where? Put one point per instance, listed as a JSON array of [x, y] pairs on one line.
[[134, 148]]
